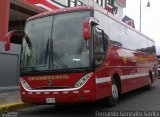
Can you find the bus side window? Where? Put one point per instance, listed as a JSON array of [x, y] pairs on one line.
[[99, 46]]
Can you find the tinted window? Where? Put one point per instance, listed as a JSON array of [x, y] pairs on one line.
[[122, 36], [99, 40], [103, 21], [115, 34], [99, 46], [127, 38]]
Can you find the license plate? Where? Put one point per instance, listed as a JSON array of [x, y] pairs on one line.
[[50, 100]]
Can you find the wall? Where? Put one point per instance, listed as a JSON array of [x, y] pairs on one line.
[[9, 65], [118, 3]]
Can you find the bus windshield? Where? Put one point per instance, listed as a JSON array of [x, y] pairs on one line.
[[55, 42]]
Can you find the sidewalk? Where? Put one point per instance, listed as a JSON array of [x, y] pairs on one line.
[[9, 89], [11, 101]]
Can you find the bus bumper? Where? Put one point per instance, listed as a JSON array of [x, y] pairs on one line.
[[58, 97]]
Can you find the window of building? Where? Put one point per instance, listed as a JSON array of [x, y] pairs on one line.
[[110, 2], [74, 3], [97, 1]]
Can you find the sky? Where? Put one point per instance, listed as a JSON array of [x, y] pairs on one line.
[[150, 25]]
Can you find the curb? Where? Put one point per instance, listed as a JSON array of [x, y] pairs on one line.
[[13, 106]]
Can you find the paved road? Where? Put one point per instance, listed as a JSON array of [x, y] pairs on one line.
[[139, 100]]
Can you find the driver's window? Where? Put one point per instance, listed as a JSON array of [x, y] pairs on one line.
[[99, 46]]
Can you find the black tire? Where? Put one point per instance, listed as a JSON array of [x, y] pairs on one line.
[[149, 86], [112, 100]]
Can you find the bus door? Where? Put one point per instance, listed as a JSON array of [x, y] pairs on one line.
[[100, 43]]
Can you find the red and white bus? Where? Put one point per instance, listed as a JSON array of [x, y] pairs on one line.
[[83, 54]]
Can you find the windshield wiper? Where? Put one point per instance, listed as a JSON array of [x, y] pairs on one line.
[[54, 56], [48, 53], [42, 58]]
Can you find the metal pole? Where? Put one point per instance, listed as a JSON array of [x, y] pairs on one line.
[[140, 16], [148, 5]]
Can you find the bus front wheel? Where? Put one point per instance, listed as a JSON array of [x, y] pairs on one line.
[[113, 99], [149, 86]]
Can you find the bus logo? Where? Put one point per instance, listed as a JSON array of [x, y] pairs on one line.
[[49, 82]]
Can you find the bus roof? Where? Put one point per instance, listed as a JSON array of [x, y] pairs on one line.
[[83, 8], [62, 10]]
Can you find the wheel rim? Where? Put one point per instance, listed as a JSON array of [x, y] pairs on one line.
[[115, 92], [150, 83]]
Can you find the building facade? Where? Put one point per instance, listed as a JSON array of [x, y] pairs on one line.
[[53, 4]]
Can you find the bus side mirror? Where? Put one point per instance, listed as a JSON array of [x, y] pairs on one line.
[[87, 25], [11, 37], [7, 39]]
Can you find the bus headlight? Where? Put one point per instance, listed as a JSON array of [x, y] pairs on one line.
[[81, 81], [25, 84]]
